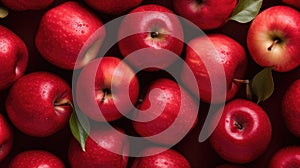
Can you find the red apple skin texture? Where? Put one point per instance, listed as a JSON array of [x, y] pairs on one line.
[[210, 14], [294, 3], [259, 34], [35, 159], [230, 54], [242, 146], [171, 97], [291, 108], [106, 72], [30, 104], [287, 157], [167, 159], [13, 57], [63, 31], [154, 18], [113, 7], [6, 138], [97, 156], [23, 5]]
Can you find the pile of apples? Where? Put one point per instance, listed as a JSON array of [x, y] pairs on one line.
[[150, 84]]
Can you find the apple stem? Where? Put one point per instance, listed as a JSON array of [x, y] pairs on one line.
[[154, 34], [245, 81], [105, 93], [274, 43], [238, 125]]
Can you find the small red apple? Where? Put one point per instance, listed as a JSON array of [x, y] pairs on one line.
[[208, 57], [294, 3], [287, 157], [166, 104], [206, 14], [243, 132], [13, 57], [153, 27], [113, 80], [36, 158], [291, 108], [113, 7], [273, 38], [38, 104], [23, 5], [69, 35], [6, 138], [104, 148], [167, 159]]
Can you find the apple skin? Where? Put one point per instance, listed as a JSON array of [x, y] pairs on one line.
[[163, 102], [13, 57], [113, 7], [153, 27], [243, 132], [286, 157], [273, 38], [95, 154], [290, 108], [38, 104], [108, 73], [294, 3], [23, 5], [68, 33], [208, 14], [167, 159], [6, 137], [36, 158], [226, 52]]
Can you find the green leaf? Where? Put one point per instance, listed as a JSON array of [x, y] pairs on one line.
[[3, 12], [262, 85], [79, 128], [246, 10]]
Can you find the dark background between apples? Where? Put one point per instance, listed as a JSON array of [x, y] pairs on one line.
[[25, 25]]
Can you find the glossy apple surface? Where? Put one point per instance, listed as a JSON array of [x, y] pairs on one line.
[[38, 104], [286, 157], [113, 7], [206, 14], [243, 132], [13, 57], [99, 152], [164, 100], [204, 55], [23, 5], [167, 159], [153, 27], [291, 108], [67, 35], [36, 158], [273, 38]]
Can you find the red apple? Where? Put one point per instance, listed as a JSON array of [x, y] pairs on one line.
[[105, 147], [38, 104], [288, 157], [36, 158], [6, 138], [166, 111], [243, 132], [155, 28], [23, 5], [69, 35], [273, 38], [102, 87], [206, 14], [113, 7], [291, 108], [216, 58], [13, 57], [294, 3], [167, 159]]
